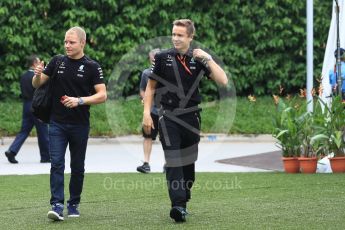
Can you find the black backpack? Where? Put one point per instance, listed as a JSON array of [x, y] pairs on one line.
[[42, 99]]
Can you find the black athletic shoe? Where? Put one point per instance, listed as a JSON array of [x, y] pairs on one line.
[[178, 214], [145, 168], [11, 157], [45, 161]]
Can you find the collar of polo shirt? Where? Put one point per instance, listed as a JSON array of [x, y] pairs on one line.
[[189, 52]]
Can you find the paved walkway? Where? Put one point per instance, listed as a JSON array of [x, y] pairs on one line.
[[124, 154]]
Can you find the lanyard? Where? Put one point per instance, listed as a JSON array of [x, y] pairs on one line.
[[183, 62]]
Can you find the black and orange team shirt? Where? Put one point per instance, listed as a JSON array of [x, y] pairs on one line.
[[174, 72]]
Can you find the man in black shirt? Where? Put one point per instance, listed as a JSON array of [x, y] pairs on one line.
[[174, 81], [28, 119], [78, 83]]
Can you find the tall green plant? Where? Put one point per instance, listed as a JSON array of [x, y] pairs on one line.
[[335, 125], [321, 131], [314, 130], [287, 125]]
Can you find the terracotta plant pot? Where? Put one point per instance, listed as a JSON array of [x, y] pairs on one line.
[[337, 164], [291, 164], [308, 164]]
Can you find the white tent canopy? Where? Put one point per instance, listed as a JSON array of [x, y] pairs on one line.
[[329, 59]]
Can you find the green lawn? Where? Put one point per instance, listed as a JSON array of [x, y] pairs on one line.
[[123, 117], [220, 201]]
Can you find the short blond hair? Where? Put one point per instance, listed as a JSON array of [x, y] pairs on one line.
[[189, 24], [79, 31]]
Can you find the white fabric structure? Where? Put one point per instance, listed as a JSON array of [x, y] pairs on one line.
[[329, 59]]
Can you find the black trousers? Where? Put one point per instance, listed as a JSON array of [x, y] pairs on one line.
[[180, 137]]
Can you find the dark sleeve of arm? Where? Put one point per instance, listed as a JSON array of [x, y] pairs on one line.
[[143, 79], [49, 69], [22, 87], [97, 74], [22, 84], [156, 66]]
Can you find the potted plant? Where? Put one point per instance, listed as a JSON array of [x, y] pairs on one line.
[[335, 124], [309, 135], [308, 158], [286, 132], [314, 136]]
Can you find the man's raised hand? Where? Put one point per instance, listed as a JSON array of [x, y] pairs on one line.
[[39, 68]]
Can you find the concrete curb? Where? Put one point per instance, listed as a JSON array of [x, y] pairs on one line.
[[217, 138]]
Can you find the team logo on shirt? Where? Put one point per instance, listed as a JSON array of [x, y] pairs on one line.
[[61, 66], [81, 68], [169, 60], [192, 64]]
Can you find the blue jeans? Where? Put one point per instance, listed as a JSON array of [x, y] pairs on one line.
[[61, 135], [28, 122]]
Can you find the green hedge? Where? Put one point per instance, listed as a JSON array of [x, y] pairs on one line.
[[261, 42]]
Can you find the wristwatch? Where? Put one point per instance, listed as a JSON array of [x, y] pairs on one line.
[[80, 101], [208, 58]]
